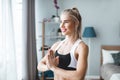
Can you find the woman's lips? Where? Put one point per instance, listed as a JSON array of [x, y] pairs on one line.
[[63, 30]]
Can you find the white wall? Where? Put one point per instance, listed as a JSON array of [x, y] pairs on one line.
[[103, 15]]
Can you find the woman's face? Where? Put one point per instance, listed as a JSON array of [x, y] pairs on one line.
[[67, 25]]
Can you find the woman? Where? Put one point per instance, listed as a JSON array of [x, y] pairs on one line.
[[68, 58]]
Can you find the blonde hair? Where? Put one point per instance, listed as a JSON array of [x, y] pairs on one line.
[[74, 13]]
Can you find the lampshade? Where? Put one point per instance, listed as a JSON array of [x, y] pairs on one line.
[[89, 32]]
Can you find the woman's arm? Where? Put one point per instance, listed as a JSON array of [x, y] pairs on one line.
[[79, 73], [42, 64]]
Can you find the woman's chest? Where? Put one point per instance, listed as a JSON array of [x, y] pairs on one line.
[[65, 49]]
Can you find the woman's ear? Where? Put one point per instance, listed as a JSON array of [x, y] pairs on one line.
[[76, 23]]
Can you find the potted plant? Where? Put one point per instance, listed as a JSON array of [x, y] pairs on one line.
[[56, 17]]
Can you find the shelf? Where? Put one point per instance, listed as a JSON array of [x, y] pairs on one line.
[[45, 47], [52, 37], [50, 78], [51, 22]]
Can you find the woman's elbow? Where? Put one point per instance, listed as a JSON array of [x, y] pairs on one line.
[[77, 78], [38, 68]]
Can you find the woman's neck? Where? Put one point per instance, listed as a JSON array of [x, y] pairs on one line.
[[71, 39]]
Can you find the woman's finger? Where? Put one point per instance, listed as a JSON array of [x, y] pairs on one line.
[[57, 60]]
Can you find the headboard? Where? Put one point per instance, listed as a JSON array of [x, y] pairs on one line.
[[109, 47]]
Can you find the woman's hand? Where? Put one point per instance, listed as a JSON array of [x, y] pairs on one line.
[[52, 61]]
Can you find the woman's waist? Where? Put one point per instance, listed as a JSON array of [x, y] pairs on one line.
[[66, 67]]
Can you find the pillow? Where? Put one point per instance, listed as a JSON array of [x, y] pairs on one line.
[[107, 57], [116, 58]]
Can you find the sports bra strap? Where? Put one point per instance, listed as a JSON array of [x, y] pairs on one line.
[[75, 45], [73, 59]]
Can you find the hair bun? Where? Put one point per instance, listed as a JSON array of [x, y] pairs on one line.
[[75, 9]]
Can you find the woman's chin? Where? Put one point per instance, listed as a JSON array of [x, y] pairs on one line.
[[63, 34]]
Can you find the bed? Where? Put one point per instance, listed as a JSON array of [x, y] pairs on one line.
[[110, 62]]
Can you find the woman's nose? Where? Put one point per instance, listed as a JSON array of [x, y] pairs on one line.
[[61, 25]]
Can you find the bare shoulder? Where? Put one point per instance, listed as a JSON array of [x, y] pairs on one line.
[[82, 45], [82, 48]]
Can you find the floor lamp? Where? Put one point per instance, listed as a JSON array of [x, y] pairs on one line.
[[89, 33]]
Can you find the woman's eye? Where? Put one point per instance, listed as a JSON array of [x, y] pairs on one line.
[[66, 21]]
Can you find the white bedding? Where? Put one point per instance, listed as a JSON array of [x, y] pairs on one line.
[[110, 72], [115, 76]]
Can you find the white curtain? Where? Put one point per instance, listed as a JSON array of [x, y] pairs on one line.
[[17, 41], [8, 69]]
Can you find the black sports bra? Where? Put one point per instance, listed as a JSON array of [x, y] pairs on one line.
[[64, 61], [68, 61]]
